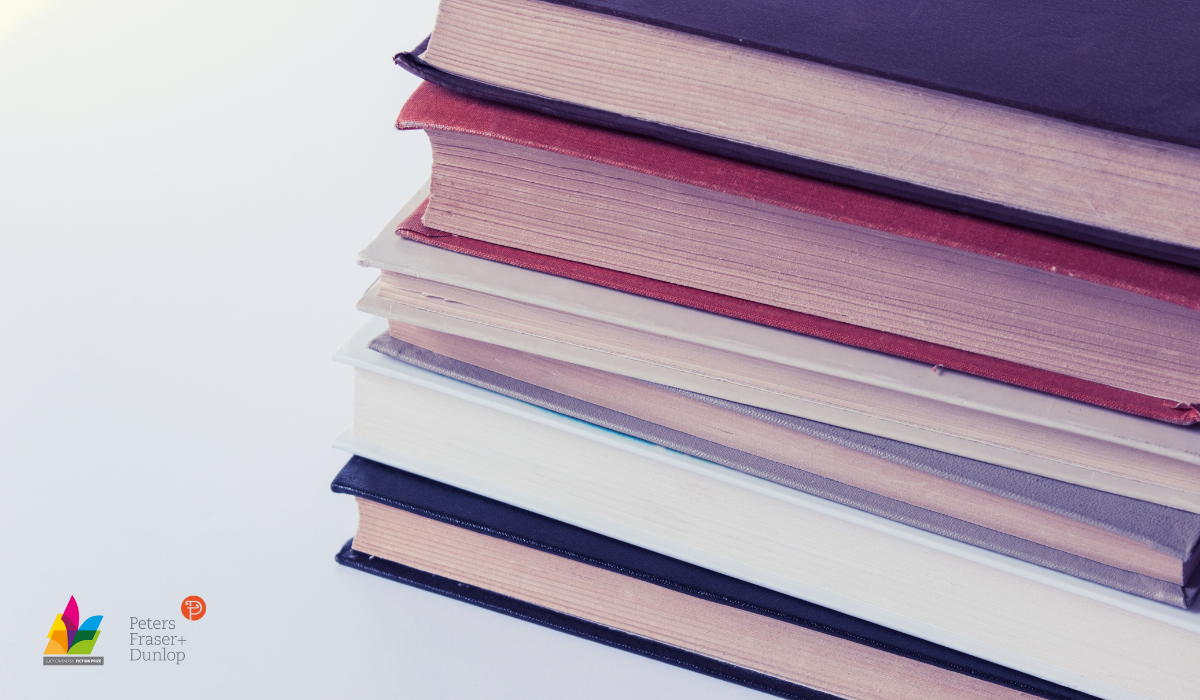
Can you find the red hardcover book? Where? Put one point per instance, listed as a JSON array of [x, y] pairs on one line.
[[439, 110]]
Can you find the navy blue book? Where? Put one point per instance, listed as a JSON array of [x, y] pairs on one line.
[[449, 541]]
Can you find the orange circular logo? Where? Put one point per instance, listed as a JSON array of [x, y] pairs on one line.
[[193, 607]]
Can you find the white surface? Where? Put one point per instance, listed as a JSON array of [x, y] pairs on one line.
[[164, 167]]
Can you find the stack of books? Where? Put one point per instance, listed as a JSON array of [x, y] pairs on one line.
[[835, 351]]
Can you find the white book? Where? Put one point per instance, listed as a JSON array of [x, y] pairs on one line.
[[1034, 620], [782, 371]]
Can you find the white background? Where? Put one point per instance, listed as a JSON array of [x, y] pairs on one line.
[[183, 189]]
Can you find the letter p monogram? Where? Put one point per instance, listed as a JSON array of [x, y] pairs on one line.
[[193, 607]]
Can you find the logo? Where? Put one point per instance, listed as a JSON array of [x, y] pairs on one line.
[[193, 607], [69, 638]]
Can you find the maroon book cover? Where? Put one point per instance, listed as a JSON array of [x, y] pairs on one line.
[[434, 107], [936, 355]]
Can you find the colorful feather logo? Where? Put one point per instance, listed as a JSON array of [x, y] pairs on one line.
[[67, 636]]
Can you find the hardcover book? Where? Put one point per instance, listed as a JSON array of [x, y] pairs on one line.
[[433, 536], [928, 285], [1099, 145]]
